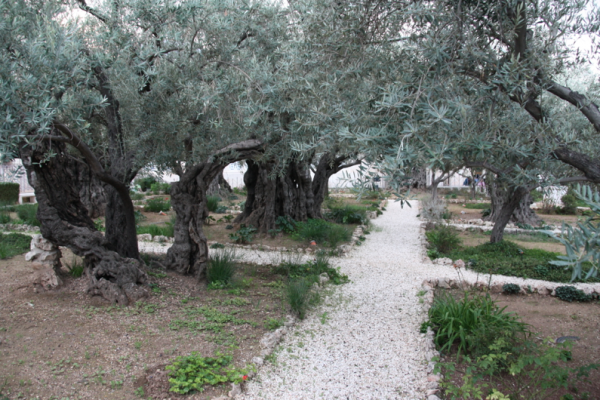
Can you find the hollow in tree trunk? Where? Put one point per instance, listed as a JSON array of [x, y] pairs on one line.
[[65, 222]]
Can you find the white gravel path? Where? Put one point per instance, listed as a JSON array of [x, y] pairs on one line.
[[364, 341]]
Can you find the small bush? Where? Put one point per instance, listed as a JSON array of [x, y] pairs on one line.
[[322, 232], [9, 192], [298, 296], [157, 205], [137, 196], [473, 323], [348, 214], [145, 183], [273, 323], [569, 201], [5, 218], [511, 288], [212, 203], [571, 293], [28, 214], [156, 230], [221, 267], [166, 188], [443, 238], [244, 234], [434, 209]]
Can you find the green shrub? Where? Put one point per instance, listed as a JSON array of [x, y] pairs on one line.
[[244, 234], [511, 288], [473, 323], [157, 205], [137, 196], [166, 188], [28, 214], [298, 295], [9, 192], [221, 209], [221, 267], [5, 218], [322, 231], [191, 373], [145, 183], [348, 214], [156, 230], [13, 244], [443, 238], [212, 203], [571, 293], [155, 188], [569, 201], [273, 323]]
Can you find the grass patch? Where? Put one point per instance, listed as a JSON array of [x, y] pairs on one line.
[[222, 268], [212, 203], [348, 214], [156, 230], [157, 205], [322, 231], [507, 258], [27, 213], [478, 206], [13, 244]]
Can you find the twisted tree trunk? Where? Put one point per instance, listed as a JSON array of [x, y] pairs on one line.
[[292, 193], [91, 193], [65, 221]]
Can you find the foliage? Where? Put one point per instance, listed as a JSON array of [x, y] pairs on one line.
[[299, 295], [217, 246], [4, 217], [477, 206], [244, 234], [322, 231], [348, 214], [286, 223], [212, 203], [511, 288], [311, 270], [156, 230], [433, 209], [145, 184], [273, 323], [157, 205], [165, 187], [221, 267], [13, 244], [507, 258], [443, 238], [191, 373], [582, 242], [473, 323], [28, 214], [221, 209], [99, 225], [137, 196], [528, 370], [75, 268], [9, 192], [571, 293], [569, 201]]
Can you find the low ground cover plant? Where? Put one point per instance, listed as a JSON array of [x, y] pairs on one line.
[[478, 206], [321, 231], [571, 293], [157, 205], [212, 203], [348, 214], [221, 268], [192, 373], [244, 234], [443, 239], [27, 214]]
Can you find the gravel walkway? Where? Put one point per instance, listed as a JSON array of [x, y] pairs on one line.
[[364, 341]]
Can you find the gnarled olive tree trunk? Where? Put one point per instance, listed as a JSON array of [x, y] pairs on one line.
[[91, 193], [189, 253], [65, 222], [292, 193]]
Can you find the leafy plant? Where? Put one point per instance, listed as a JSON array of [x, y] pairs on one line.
[[312, 269], [273, 323], [217, 246], [569, 201], [273, 232], [244, 234], [145, 183], [137, 196], [348, 214], [582, 243], [511, 288], [571, 293], [157, 205], [286, 223], [191, 373], [225, 218], [155, 188], [222, 267], [477, 206], [473, 323], [99, 225], [156, 230], [221, 209], [443, 238], [75, 268]]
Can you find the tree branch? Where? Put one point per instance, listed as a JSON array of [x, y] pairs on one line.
[[83, 5], [586, 106]]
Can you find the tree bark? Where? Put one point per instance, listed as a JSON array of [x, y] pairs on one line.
[[120, 230], [91, 193], [292, 193], [501, 198], [219, 187], [66, 222], [506, 212], [189, 253]]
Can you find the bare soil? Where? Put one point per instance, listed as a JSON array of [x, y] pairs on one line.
[[552, 318], [472, 239], [65, 344]]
